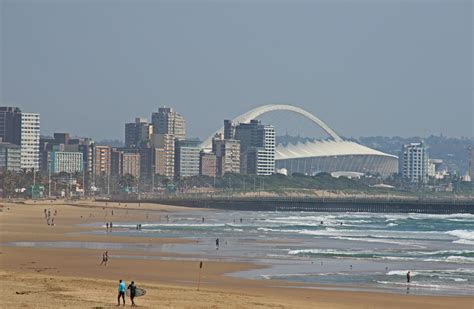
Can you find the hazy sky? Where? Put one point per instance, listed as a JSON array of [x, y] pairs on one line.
[[364, 67]]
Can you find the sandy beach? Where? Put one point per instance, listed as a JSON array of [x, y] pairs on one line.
[[73, 278]]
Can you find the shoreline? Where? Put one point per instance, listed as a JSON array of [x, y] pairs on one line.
[[24, 222]]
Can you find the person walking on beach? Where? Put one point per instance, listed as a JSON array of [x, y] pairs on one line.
[[217, 243], [107, 226], [133, 292], [408, 277], [121, 292], [105, 258]]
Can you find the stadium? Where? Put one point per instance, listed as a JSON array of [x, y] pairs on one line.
[[331, 155]]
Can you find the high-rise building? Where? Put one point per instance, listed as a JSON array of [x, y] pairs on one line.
[[229, 129], [61, 138], [186, 160], [30, 137], [137, 133], [65, 162], [10, 125], [257, 147], [163, 145], [21, 129], [227, 154], [101, 163], [146, 161], [116, 162], [414, 162], [207, 164], [167, 121], [10, 157], [131, 164]]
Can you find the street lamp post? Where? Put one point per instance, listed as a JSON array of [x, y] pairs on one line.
[[49, 176], [83, 179], [153, 178]]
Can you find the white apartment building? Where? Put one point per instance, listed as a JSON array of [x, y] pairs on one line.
[[414, 162], [30, 139]]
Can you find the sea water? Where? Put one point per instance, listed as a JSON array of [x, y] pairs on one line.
[[349, 250], [363, 249]]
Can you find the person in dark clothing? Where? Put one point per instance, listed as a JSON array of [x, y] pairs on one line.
[[217, 243], [408, 277], [133, 291]]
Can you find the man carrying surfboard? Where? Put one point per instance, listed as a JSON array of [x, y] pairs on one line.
[[133, 292]]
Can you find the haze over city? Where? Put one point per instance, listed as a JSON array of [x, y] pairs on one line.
[[386, 68]]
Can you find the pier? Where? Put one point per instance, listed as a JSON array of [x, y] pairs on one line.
[[317, 204]]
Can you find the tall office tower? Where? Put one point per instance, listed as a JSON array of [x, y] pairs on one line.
[[229, 129], [414, 162], [257, 147], [137, 133], [146, 161], [116, 162], [207, 164], [167, 121], [227, 155], [10, 157], [101, 163], [186, 159], [30, 137], [10, 125], [163, 145]]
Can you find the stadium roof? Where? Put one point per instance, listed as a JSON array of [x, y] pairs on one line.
[[324, 148]]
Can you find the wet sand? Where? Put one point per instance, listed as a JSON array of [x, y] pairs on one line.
[[55, 277]]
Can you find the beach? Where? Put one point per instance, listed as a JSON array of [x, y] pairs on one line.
[[71, 276]]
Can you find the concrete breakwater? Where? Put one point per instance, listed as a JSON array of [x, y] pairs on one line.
[[318, 204]]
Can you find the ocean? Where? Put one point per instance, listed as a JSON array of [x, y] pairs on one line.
[[367, 250], [355, 251]]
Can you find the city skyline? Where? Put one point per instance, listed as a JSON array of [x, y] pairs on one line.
[[364, 68]]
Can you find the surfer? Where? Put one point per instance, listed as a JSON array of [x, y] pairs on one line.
[[408, 277], [133, 292], [121, 292]]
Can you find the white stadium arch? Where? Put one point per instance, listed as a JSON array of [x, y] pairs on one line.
[[332, 155], [254, 113]]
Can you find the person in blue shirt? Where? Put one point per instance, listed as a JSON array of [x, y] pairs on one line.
[[121, 292]]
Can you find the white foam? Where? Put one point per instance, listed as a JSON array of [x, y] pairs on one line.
[[464, 242], [463, 234]]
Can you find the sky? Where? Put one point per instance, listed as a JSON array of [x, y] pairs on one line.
[[392, 68]]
